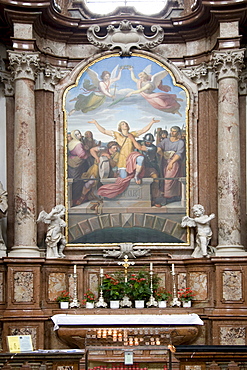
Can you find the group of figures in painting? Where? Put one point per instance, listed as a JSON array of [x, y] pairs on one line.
[[124, 158], [130, 154]]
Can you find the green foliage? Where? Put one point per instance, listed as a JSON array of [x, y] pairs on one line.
[[186, 294], [113, 286], [63, 297], [89, 296], [161, 294], [139, 286]]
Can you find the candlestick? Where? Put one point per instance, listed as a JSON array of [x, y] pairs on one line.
[[175, 300], [152, 301], [75, 303], [101, 302]]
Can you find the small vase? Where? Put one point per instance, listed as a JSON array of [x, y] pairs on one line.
[[64, 305], [162, 304], [139, 303], [187, 304], [114, 304], [89, 304]]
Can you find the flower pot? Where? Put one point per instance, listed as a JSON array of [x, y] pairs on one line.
[[162, 304], [187, 304], [64, 305], [114, 304], [139, 303], [89, 304]]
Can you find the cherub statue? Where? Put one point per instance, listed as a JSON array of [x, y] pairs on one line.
[[3, 212], [55, 240], [204, 232]]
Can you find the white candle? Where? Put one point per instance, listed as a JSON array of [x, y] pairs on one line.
[[74, 269], [151, 266], [101, 271], [173, 270]]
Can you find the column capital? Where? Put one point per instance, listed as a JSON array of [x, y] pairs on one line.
[[24, 64], [228, 63], [203, 75], [7, 80], [48, 77], [243, 83]]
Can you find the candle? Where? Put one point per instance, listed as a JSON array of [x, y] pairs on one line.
[[173, 270], [101, 271], [74, 269], [151, 266]]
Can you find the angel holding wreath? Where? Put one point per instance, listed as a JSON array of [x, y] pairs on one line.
[[147, 83]]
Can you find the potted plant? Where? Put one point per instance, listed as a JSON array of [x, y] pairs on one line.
[[186, 295], [63, 299], [113, 289], [162, 296], [89, 299], [138, 288]]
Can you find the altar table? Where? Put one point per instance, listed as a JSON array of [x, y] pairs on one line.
[[94, 330], [121, 320]]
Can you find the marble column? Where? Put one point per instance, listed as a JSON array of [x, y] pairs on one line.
[[228, 65], [24, 66]]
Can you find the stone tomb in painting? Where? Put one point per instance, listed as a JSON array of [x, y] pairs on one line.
[[136, 198]]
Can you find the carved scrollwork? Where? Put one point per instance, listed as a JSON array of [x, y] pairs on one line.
[[126, 249], [125, 37]]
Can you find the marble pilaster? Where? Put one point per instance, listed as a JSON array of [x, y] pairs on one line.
[[228, 65], [24, 66]]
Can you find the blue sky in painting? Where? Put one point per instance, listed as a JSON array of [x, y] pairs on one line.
[[134, 109]]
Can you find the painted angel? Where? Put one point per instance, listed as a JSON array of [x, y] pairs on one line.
[[55, 240], [204, 233], [96, 89], [147, 83]]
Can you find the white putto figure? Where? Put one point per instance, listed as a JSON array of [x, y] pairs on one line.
[[55, 240], [204, 232]]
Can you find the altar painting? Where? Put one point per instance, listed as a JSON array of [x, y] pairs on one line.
[[126, 168]]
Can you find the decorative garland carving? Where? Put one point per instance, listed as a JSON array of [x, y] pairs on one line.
[[125, 37]]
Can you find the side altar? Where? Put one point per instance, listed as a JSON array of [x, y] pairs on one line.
[[130, 328]]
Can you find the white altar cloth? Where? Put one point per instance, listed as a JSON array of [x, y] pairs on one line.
[[119, 320]]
